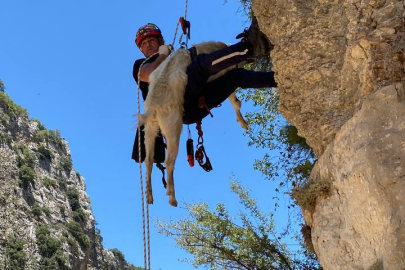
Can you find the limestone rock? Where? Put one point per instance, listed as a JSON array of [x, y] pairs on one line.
[[40, 190], [340, 67]]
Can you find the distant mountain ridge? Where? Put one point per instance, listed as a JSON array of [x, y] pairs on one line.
[[46, 220]]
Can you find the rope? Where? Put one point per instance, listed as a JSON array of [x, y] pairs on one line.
[[140, 177], [177, 27], [146, 232], [175, 33]]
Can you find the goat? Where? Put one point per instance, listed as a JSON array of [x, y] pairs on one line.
[[164, 110]]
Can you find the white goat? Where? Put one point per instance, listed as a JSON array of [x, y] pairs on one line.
[[164, 110]]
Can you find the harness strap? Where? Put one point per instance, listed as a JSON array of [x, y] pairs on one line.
[[203, 104]]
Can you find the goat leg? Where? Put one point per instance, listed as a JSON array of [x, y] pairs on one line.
[[150, 135], [236, 104], [171, 126]]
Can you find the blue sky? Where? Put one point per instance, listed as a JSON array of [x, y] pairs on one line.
[[69, 63]]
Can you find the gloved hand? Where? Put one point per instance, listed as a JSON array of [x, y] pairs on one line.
[[165, 49]]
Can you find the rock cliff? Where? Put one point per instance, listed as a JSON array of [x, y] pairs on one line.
[[341, 75], [46, 221]]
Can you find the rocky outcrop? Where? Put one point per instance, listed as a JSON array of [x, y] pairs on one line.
[[341, 74], [46, 221]]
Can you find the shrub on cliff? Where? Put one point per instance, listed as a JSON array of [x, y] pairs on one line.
[[77, 232], [15, 257], [44, 153], [50, 249], [26, 176], [12, 109]]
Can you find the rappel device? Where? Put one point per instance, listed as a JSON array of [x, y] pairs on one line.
[[200, 154]]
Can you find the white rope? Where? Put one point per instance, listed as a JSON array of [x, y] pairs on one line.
[[177, 26], [140, 177], [146, 232]]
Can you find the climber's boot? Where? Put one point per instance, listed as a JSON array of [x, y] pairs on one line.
[[258, 42]]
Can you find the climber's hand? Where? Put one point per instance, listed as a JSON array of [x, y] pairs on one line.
[[165, 49]]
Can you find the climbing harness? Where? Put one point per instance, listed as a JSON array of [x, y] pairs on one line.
[[203, 104]]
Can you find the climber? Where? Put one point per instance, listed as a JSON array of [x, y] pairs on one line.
[[149, 40]]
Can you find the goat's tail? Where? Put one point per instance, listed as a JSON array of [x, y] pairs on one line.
[[143, 118]]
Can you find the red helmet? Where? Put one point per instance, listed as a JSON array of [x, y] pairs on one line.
[[150, 29]]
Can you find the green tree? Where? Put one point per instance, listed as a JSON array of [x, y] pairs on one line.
[[289, 159], [248, 241]]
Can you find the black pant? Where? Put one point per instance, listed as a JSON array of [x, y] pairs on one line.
[[218, 90]]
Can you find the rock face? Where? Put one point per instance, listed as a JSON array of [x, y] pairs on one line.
[[341, 74], [46, 221]]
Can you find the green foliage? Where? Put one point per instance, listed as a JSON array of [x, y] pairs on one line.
[[4, 119], [306, 233], [307, 194], [42, 136], [219, 241], [46, 211], [26, 176], [132, 267], [15, 255], [62, 182], [48, 182], [77, 232], [73, 197], [289, 159], [50, 136], [50, 249], [378, 265], [73, 244], [289, 136], [40, 125], [24, 156], [12, 109], [5, 138], [80, 216], [44, 153], [36, 210], [118, 254], [65, 162]]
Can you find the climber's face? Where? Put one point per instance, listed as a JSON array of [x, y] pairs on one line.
[[149, 46]]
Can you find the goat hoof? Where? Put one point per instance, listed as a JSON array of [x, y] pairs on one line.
[[173, 202], [243, 124], [149, 199]]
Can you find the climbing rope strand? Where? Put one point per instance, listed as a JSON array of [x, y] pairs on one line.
[[175, 33], [177, 26], [142, 196], [146, 245], [148, 233], [185, 12]]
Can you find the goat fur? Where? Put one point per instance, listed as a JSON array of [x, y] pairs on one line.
[[164, 110]]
